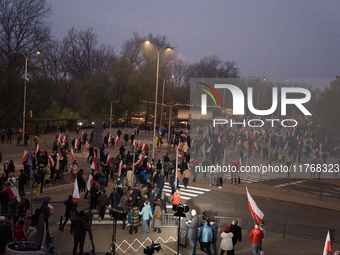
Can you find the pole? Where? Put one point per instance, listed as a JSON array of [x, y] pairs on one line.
[[24, 113], [178, 234], [31, 185], [176, 166], [160, 123], [169, 128], [111, 118], [154, 120]]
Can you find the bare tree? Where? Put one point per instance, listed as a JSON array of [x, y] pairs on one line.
[[23, 26]]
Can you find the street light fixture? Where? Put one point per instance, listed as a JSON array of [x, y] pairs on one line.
[[26, 80], [158, 51]]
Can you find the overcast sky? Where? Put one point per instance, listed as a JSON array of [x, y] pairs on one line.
[[266, 38]]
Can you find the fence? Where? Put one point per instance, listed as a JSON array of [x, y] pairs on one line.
[[283, 228]]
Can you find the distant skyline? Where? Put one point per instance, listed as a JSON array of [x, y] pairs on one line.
[[284, 39]]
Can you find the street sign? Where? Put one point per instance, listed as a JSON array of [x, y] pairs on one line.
[[29, 160], [159, 132]]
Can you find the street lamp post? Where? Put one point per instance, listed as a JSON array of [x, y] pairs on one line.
[[155, 116], [161, 121], [111, 114], [26, 79]]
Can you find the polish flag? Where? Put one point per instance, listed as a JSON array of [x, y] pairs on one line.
[[314, 154], [108, 159], [109, 140], [30, 114], [57, 163], [320, 149], [140, 160], [117, 141], [144, 146], [134, 142], [184, 136], [52, 162], [286, 147], [94, 161], [75, 192], [139, 146], [239, 143], [60, 140], [254, 146], [327, 249], [180, 155], [13, 191], [65, 139], [50, 208], [148, 166], [87, 145], [191, 175], [25, 157], [72, 154], [239, 163], [76, 144], [254, 209], [120, 167], [90, 182], [37, 149]]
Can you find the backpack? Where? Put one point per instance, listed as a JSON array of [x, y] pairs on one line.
[[158, 214]]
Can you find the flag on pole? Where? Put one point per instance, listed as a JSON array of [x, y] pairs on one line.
[[120, 167], [60, 140], [72, 154], [30, 113], [25, 157], [108, 159], [140, 160], [144, 146], [139, 146], [117, 141], [286, 147], [75, 192], [94, 161], [184, 136], [13, 191], [254, 209], [254, 146], [76, 144], [109, 140], [87, 145], [134, 142], [90, 182], [327, 249], [50, 208], [180, 155], [239, 163], [52, 162]]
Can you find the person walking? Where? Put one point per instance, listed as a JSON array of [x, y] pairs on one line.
[[134, 223], [237, 231], [69, 204], [256, 236], [227, 242], [147, 215], [214, 229], [157, 215], [193, 230], [103, 202], [46, 212], [205, 237], [79, 226], [186, 175]]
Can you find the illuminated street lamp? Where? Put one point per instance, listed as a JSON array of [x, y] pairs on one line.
[[159, 51], [26, 80]]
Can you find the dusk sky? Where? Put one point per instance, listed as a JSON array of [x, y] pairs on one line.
[[266, 38]]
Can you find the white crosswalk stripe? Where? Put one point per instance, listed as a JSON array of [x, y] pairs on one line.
[[255, 177], [186, 193]]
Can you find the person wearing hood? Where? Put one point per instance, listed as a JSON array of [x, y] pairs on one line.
[[227, 242], [147, 215], [103, 202], [19, 232], [79, 226]]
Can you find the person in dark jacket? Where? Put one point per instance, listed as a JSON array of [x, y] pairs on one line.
[[19, 232], [193, 230], [237, 231], [94, 196], [79, 226], [69, 204], [160, 185], [22, 180], [46, 212], [80, 179], [214, 229]]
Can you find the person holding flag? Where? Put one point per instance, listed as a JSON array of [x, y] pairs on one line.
[[256, 236]]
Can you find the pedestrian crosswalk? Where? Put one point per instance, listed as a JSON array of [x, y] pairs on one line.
[[252, 177], [186, 193]]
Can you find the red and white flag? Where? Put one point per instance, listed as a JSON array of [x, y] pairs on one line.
[[108, 159], [13, 191], [30, 113], [286, 147], [180, 155], [76, 144], [94, 161], [144, 146], [75, 191], [120, 167], [65, 139], [109, 140], [184, 136], [254, 209], [134, 142], [37, 149], [239, 142], [139, 146], [254, 146], [117, 141], [327, 249], [50, 208], [140, 160], [239, 163], [25, 157], [52, 162], [87, 145], [72, 154], [60, 139], [90, 182]]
